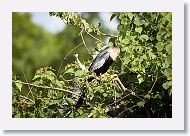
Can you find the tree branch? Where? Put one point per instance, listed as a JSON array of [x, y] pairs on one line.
[[153, 85], [47, 87], [84, 43], [66, 57], [95, 37]]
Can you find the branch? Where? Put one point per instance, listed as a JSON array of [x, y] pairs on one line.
[[119, 100], [84, 43], [122, 86], [47, 87], [30, 88], [26, 98], [66, 57], [126, 110], [115, 77], [95, 38], [153, 85]]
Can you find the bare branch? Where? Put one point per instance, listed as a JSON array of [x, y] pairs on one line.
[[24, 97], [84, 43], [153, 85], [66, 57], [95, 38], [119, 100], [30, 88], [126, 110]]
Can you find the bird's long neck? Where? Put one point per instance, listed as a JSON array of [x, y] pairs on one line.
[[113, 54]]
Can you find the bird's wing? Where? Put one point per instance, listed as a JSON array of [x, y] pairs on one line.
[[99, 60]]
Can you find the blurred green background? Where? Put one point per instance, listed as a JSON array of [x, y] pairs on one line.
[[40, 40]]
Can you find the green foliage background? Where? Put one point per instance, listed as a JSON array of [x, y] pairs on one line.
[[144, 67]]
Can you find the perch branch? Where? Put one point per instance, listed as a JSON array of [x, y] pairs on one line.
[[122, 86], [115, 77]]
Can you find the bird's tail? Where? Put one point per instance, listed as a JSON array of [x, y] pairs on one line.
[[80, 101]]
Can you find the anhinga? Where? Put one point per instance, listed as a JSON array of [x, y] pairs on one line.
[[104, 59], [99, 65]]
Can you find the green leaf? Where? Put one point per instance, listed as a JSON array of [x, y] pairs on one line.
[[19, 86], [130, 15], [160, 46], [169, 17], [120, 28], [138, 29], [141, 104], [147, 96], [105, 94], [138, 22], [100, 46], [140, 78], [169, 48], [70, 70], [112, 16], [126, 41], [94, 112], [168, 73], [144, 37], [126, 58], [70, 101], [78, 73], [134, 68], [166, 85]]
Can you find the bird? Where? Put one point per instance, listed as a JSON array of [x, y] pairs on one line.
[[104, 60]]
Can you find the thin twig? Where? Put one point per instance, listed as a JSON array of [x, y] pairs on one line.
[[30, 88], [126, 110], [109, 35], [124, 88], [47, 87], [84, 43], [65, 58], [119, 100], [24, 97], [95, 38], [153, 85]]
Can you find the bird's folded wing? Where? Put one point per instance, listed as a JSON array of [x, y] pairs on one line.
[[99, 60]]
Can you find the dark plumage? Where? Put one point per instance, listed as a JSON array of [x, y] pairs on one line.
[[104, 59], [80, 99]]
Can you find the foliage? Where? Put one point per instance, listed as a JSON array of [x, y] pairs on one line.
[[139, 83]]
